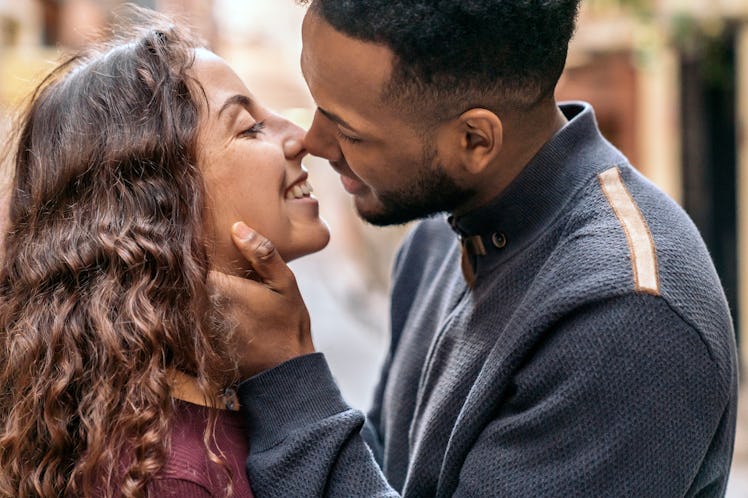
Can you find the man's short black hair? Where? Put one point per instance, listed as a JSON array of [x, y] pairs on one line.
[[452, 55]]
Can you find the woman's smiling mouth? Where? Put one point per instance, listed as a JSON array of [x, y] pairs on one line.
[[299, 190]]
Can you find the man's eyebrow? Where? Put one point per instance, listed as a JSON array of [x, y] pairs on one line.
[[334, 117], [238, 99]]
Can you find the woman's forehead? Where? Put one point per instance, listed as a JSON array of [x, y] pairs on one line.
[[217, 78]]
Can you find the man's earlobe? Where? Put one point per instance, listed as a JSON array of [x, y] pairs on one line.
[[483, 135]]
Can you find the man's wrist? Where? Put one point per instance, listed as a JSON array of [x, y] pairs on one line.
[[280, 355], [299, 391]]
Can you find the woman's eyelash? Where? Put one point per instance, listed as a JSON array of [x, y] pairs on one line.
[[348, 138], [254, 129]]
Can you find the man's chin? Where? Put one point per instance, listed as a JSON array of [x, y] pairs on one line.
[[376, 213]]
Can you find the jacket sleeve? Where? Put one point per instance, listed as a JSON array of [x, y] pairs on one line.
[[372, 432], [612, 405], [304, 440], [598, 408]]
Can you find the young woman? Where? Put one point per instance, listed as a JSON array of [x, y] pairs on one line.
[[131, 165]]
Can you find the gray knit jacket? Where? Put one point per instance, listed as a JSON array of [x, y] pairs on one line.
[[594, 357]]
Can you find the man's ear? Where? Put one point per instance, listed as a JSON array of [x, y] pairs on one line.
[[481, 138]]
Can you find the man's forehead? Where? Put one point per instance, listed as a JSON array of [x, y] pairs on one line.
[[328, 54]]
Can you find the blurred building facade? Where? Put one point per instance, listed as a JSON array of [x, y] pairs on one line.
[[35, 33]]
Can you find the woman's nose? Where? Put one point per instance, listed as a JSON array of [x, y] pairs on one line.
[[293, 143]]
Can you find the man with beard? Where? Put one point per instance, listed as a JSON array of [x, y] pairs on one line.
[[562, 332]]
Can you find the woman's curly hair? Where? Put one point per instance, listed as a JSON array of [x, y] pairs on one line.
[[103, 285]]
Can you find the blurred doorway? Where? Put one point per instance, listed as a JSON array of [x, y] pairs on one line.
[[709, 147]]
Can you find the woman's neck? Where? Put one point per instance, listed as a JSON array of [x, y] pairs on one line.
[[185, 387]]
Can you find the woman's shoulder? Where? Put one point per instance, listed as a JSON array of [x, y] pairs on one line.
[[189, 467]]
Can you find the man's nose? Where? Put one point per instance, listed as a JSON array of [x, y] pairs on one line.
[[320, 140]]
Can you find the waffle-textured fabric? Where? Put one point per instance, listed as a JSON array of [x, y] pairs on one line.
[[189, 473], [595, 355]]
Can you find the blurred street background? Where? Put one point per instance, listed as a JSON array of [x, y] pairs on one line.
[[668, 80]]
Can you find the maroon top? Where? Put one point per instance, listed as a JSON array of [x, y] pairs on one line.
[[188, 472]]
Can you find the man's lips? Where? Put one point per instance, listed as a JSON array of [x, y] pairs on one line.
[[350, 182], [352, 185]]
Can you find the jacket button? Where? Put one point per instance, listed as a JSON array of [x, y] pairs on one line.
[[499, 240]]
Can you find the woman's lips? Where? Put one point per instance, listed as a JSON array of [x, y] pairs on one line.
[[299, 190]]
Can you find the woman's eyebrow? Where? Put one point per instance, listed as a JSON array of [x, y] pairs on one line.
[[238, 99]]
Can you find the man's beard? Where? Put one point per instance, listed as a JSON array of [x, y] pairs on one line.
[[432, 192]]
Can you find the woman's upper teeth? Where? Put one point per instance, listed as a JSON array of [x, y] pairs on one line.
[[299, 190]]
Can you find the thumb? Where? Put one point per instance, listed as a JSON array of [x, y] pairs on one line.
[[263, 256]]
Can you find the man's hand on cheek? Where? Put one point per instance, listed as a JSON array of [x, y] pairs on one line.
[[271, 321]]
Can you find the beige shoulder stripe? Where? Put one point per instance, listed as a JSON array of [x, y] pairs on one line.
[[641, 245]]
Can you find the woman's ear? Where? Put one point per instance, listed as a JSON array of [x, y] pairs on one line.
[[481, 138]]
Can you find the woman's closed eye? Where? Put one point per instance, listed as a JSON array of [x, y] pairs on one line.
[[253, 130]]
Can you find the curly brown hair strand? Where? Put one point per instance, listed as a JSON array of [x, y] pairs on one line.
[[103, 287]]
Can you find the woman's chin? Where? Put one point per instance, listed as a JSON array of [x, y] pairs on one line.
[[307, 242], [228, 259], [309, 246]]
